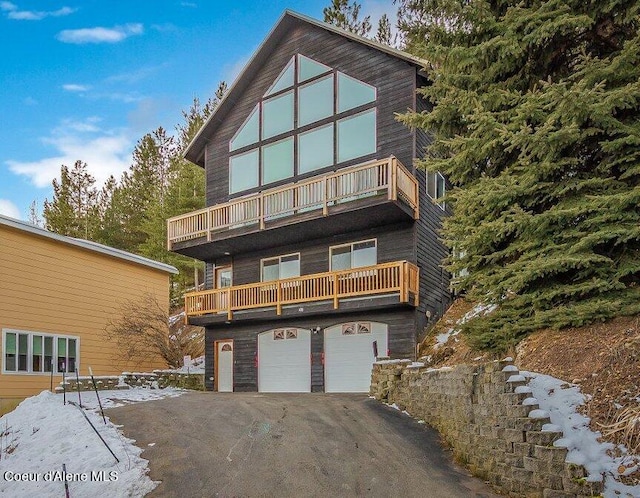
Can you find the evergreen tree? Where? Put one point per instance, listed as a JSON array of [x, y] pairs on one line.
[[73, 211], [185, 192], [346, 16], [383, 35], [131, 214], [537, 125], [34, 216]]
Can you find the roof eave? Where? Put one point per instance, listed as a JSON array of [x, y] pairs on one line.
[[87, 245]]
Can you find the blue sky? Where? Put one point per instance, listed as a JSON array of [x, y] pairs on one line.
[[86, 80]]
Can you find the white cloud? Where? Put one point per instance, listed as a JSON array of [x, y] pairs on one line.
[[72, 87], [9, 209], [106, 152], [165, 27], [137, 75], [32, 15], [100, 34], [8, 6]]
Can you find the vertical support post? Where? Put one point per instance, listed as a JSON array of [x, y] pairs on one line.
[[416, 293], [325, 195], [261, 210], [335, 291], [278, 297], [229, 313], [393, 193], [404, 282], [186, 312]]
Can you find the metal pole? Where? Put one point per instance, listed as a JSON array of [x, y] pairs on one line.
[[96, 430], [95, 387], [64, 389], [78, 388], [66, 483]]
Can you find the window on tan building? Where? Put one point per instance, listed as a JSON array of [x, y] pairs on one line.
[[32, 352]]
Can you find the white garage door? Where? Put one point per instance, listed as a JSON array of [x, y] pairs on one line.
[[349, 355], [284, 361]]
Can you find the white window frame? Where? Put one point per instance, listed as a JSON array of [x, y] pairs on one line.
[[279, 258], [432, 188], [54, 352], [334, 120], [351, 244]]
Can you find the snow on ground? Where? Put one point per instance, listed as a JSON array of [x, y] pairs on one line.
[[561, 401], [477, 310], [444, 337], [42, 434], [173, 319]]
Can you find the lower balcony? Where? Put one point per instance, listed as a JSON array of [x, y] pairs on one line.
[[399, 280]]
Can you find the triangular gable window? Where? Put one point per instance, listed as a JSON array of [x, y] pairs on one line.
[[353, 93], [308, 68], [284, 80], [311, 118], [248, 132]]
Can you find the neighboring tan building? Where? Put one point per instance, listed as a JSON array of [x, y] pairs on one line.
[[57, 294], [321, 238]]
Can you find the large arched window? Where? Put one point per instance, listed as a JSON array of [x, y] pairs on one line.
[[310, 118]]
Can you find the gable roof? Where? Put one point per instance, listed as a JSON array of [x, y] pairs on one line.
[[86, 244], [195, 150]]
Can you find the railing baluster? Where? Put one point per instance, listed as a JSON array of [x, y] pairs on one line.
[[315, 193]]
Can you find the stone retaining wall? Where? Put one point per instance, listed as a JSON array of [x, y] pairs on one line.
[[159, 379], [486, 413]]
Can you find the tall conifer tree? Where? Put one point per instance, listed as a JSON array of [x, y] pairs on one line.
[[346, 15], [537, 125], [73, 209]]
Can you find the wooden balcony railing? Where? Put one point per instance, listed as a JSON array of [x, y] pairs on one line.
[[399, 277], [318, 193]]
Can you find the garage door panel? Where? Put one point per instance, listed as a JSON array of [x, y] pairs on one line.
[[284, 361], [349, 355]]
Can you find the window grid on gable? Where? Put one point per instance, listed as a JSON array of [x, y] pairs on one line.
[[304, 98]]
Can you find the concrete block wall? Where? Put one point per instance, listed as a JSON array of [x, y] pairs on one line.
[[488, 416], [159, 379]]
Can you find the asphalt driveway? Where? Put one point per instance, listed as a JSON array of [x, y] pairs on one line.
[[279, 445]]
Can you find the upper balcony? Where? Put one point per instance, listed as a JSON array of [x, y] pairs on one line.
[[375, 193]]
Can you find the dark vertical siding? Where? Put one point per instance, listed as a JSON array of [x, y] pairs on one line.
[[393, 78], [393, 244], [418, 242], [401, 330], [208, 275], [434, 282]]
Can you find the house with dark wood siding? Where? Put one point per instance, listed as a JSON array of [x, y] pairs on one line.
[[320, 237]]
